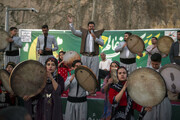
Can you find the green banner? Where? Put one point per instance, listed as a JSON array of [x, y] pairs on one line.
[[67, 42]]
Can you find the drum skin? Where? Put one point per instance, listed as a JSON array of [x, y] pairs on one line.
[[28, 78], [86, 78], [135, 44], [146, 87], [114, 76], [4, 77], [164, 44], [3, 42], [171, 75], [69, 57]]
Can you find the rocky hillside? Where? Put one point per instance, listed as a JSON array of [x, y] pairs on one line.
[[110, 14]]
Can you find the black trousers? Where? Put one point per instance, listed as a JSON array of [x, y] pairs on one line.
[[102, 75]]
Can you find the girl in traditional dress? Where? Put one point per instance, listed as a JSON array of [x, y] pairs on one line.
[[105, 88], [49, 100], [63, 70], [122, 105]]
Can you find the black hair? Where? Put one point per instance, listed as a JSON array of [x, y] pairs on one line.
[[178, 31], [12, 28], [52, 59], [156, 57], [91, 22], [13, 113], [11, 64], [116, 63], [45, 26], [155, 38], [76, 61], [129, 33]]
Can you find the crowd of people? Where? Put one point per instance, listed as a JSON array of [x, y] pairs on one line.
[[118, 105]]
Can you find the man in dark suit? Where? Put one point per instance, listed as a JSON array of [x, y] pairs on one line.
[[174, 53]]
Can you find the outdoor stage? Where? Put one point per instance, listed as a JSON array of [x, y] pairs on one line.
[[96, 106]]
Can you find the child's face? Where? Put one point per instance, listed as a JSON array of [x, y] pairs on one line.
[[61, 56], [9, 68], [155, 65], [114, 66], [50, 66], [122, 74], [76, 65]]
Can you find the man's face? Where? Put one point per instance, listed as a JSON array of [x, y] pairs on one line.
[[178, 36], [13, 32], [45, 31], [103, 56], [155, 65], [126, 37], [154, 41], [91, 27]]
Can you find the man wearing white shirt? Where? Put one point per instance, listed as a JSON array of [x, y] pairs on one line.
[[127, 59], [44, 45], [90, 41], [104, 67]]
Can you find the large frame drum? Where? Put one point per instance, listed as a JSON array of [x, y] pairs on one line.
[[28, 78], [146, 87]]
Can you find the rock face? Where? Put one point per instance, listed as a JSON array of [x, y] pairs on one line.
[[110, 14]]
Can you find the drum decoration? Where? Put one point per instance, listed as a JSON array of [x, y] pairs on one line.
[[28, 78], [69, 57], [86, 78], [171, 75], [4, 78], [146, 87], [135, 44], [164, 44]]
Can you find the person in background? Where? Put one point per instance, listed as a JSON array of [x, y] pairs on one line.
[[127, 59], [14, 113], [76, 107], [44, 45], [151, 49], [63, 70], [163, 110], [105, 89], [104, 67], [12, 50], [174, 53]]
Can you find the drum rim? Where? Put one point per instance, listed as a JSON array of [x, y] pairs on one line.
[[158, 43], [5, 41], [141, 40], [90, 71], [169, 65], [21, 64], [8, 74], [163, 81]]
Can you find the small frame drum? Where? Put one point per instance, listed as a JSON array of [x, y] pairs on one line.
[[69, 57], [164, 44], [171, 75], [4, 77], [86, 78], [114, 76], [28, 78], [135, 44], [3, 41], [146, 87]]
